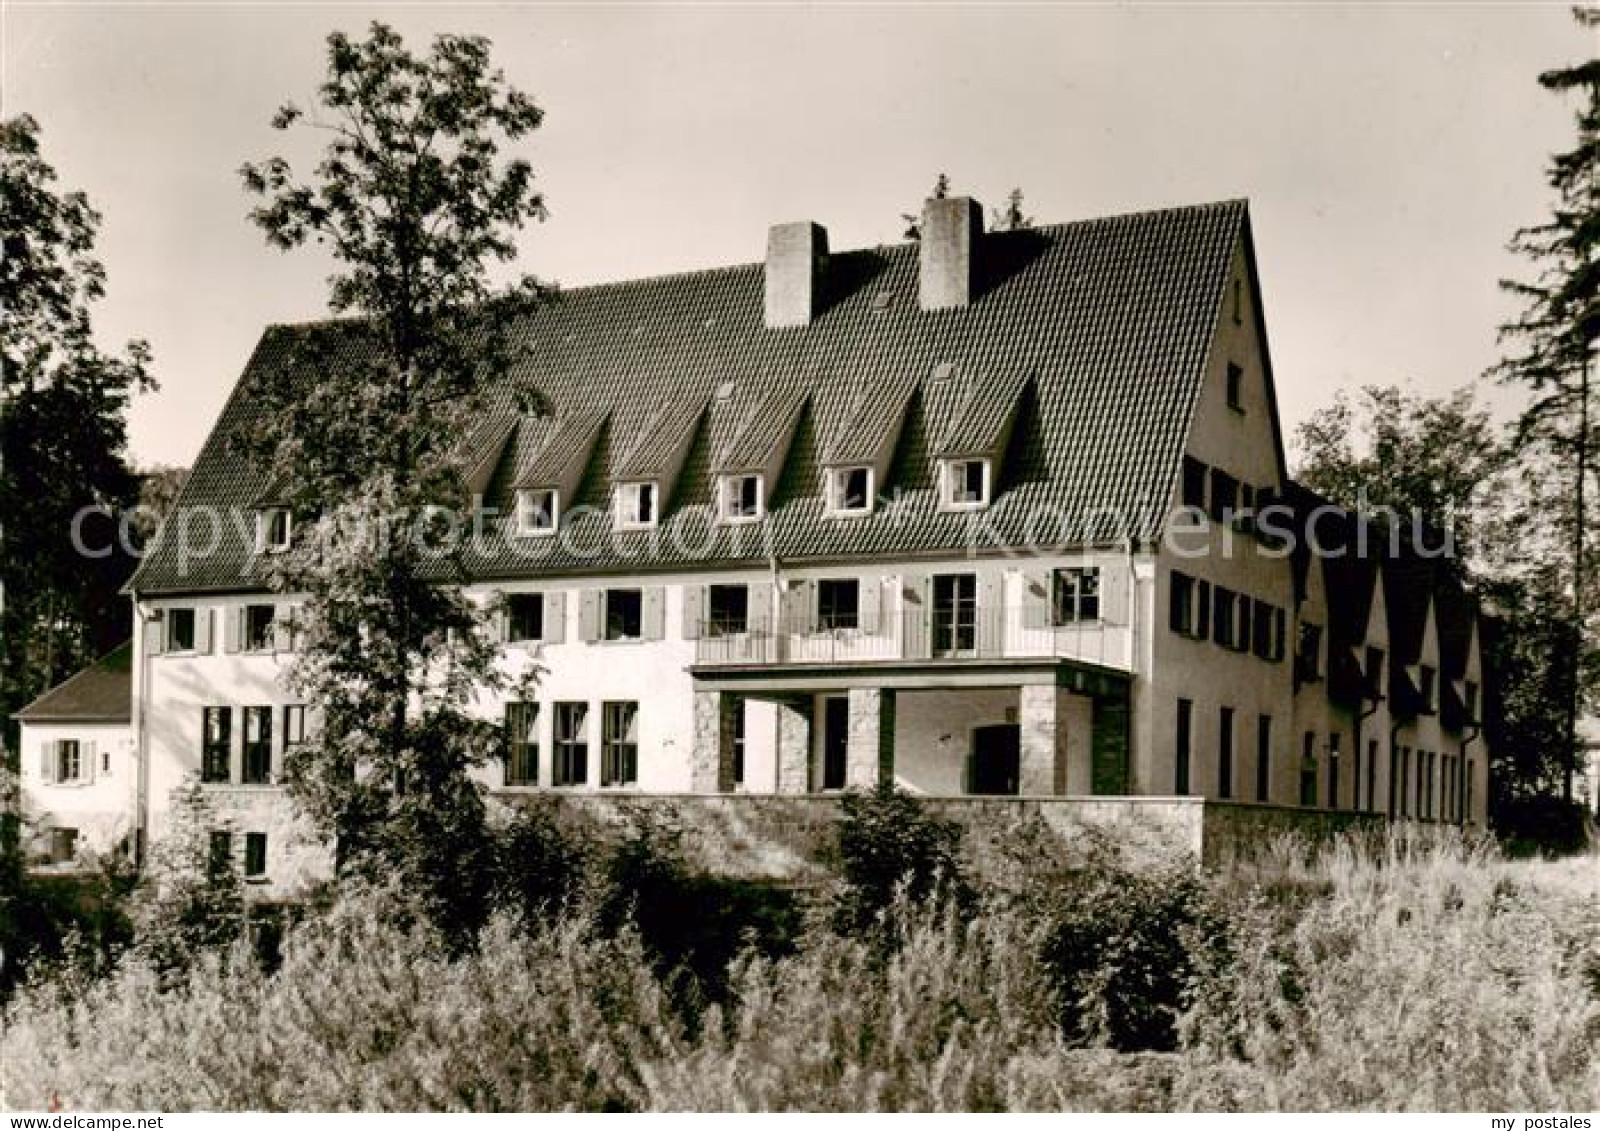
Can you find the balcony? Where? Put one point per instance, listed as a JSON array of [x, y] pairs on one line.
[[935, 636]]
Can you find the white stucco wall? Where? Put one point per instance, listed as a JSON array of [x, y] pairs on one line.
[[100, 805]]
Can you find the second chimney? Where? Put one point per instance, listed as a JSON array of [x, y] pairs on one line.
[[949, 256], [797, 256]]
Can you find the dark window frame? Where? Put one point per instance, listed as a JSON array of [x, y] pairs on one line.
[[838, 604], [216, 745], [727, 609], [524, 617], [623, 609], [619, 743], [569, 746], [521, 723], [1074, 595], [255, 767]]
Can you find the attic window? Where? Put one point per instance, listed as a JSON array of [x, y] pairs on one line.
[[966, 484], [1236, 301], [850, 490], [1235, 387], [537, 512], [273, 530], [1425, 684], [636, 505], [740, 498]]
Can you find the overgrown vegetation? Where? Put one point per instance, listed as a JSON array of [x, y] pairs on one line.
[[1417, 971]]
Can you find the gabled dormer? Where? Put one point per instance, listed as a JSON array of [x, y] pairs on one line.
[[1414, 638], [856, 456], [752, 431], [977, 414], [551, 453], [649, 451]]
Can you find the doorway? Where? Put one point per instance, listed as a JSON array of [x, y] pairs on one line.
[[835, 740], [997, 759]]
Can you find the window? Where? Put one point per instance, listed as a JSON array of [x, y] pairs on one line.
[[838, 604], [1355, 776], [1263, 757], [728, 610], [1333, 771], [257, 746], [1225, 753], [1405, 781], [522, 744], [1308, 653], [955, 613], [273, 530], [219, 857], [1426, 678], [69, 760], [63, 845], [255, 856], [619, 744], [1075, 595], [1372, 774], [180, 630], [624, 614], [740, 498], [1190, 610], [1224, 617], [636, 505], [850, 490], [571, 750], [1194, 483], [1267, 623], [966, 483], [1236, 300], [216, 741], [1308, 770], [536, 512], [258, 628], [524, 617], [294, 725], [1469, 700], [1180, 775], [1372, 672], [738, 744], [1224, 495], [1235, 387]]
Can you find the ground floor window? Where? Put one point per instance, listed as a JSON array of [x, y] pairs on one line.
[[220, 854], [1225, 753], [63, 845], [619, 744], [1180, 769], [1308, 770], [1333, 771], [571, 751], [738, 743], [522, 744], [257, 745], [216, 743], [1263, 757]]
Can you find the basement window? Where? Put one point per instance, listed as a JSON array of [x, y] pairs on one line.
[[636, 506], [740, 498], [850, 490], [536, 512]]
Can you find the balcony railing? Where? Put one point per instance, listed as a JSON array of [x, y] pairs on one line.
[[917, 634]]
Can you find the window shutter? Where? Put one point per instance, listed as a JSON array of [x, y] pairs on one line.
[[1036, 599], [1202, 607], [231, 618], [48, 760], [555, 617], [282, 636], [694, 603], [655, 613], [500, 618], [918, 619], [88, 761], [202, 630], [762, 599], [871, 608], [806, 606], [154, 631], [589, 615], [1114, 593]]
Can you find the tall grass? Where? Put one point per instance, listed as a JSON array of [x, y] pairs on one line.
[[1401, 974]]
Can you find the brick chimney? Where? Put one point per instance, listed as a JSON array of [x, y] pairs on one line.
[[950, 229], [797, 258]]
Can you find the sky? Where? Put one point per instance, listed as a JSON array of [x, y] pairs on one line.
[[1388, 151]]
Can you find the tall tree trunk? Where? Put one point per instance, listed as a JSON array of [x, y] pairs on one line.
[[1578, 580]]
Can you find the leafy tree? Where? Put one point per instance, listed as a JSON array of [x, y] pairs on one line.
[[913, 221], [158, 491], [1552, 344], [192, 897], [415, 203], [63, 409], [1011, 218]]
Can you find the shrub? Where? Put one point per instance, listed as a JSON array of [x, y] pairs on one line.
[[889, 841], [543, 861]]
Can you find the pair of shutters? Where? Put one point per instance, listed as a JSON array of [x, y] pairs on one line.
[[284, 633], [50, 762], [553, 618], [652, 614], [1038, 596]]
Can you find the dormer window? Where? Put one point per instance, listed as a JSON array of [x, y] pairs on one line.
[[274, 528], [636, 505], [1426, 679], [536, 512], [1235, 387], [740, 498], [850, 490], [966, 484]]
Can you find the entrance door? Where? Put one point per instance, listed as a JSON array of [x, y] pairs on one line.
[[835, 741], [996, 759]]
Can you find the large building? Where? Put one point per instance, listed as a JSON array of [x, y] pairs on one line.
[[929, 513]]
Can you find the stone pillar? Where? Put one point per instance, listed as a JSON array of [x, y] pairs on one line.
[[1042, 718], [711, 762], [794, 745], [869, 755]]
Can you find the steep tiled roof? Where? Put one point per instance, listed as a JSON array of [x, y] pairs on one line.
[[1110, 320], [100, 693]]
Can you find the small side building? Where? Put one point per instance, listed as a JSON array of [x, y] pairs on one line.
[[79, 770]]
